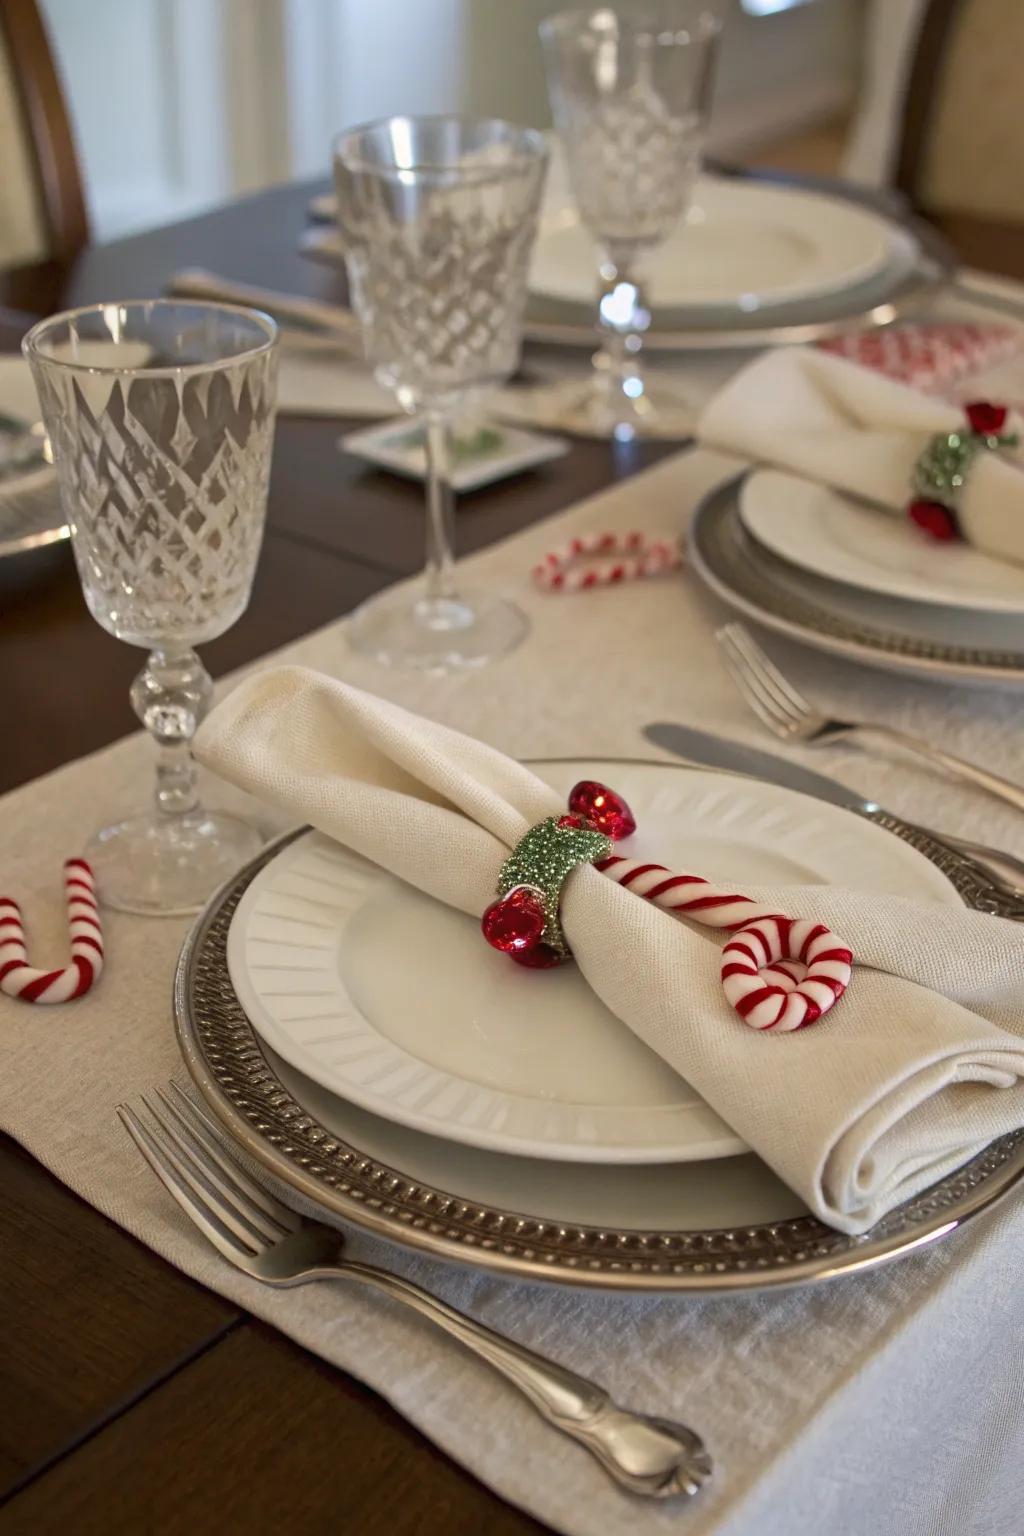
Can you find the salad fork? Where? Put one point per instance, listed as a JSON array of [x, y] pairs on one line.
[[265, 1239], [786, 713]]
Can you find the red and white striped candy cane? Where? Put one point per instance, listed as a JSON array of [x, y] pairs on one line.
[[611, 557], [778, 972], [28, 982]]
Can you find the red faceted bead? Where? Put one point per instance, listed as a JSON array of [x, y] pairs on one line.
[[514, 923], [540, 958], [604, 808], [985, 418], [935, 519], [578, 823]]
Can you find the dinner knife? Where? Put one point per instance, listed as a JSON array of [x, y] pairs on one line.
[[701, 748]]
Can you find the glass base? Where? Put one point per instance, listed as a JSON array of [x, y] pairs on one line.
[[445, 636], [597, 409], [166, 866]]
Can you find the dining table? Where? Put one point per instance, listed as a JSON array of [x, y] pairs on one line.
[[131, 1397], [126, 1391]]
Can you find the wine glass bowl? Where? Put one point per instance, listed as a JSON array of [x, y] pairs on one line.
[[437, 217], [161, 414], [630, 93]]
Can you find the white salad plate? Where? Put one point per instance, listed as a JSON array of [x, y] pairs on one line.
[[394, 1003], [834, 536], [743, 244]]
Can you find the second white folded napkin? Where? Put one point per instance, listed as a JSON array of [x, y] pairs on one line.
[[917, 1068], [852, 428]]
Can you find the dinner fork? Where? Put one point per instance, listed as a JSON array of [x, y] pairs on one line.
[[270, 1242], [786, 713]]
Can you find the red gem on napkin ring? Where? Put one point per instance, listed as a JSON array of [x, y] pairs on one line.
[[933, 518], [605, 560], [514, 922], [985, 418], [601, 806]]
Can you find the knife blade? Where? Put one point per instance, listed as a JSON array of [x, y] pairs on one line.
[[715, 752], [705, 750]]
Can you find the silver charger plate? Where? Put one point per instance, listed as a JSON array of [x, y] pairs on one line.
[[911, 638], [261, 1113]]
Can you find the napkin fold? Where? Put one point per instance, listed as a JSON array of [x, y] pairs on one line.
[[914, 1071], [852, 428]]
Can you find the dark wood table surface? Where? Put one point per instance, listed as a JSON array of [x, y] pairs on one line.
[[130, 1398]]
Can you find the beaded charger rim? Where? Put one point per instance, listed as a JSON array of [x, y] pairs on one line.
[[227, 1062]]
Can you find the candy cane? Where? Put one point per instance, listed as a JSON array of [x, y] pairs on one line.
[[27, 982], [778, 972], [626, 557]]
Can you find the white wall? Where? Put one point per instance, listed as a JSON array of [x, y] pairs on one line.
[[182, 103]]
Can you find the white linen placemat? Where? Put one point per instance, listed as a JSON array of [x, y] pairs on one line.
[[887, 1405]]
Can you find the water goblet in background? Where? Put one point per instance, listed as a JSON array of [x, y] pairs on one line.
[[630, 93], [161, 418], [438, 217]]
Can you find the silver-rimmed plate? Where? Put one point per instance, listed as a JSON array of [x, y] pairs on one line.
[[919, 639], [481, 1209]]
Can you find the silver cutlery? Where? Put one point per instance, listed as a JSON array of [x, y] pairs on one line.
[[786, 713], [307, 320], [264, 1239], [700, 747]]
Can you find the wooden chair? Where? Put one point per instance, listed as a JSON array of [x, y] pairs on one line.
[[960, 157], [42, 206]]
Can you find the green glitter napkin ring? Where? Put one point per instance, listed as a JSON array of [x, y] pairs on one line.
[[941, 472], [524, 920]]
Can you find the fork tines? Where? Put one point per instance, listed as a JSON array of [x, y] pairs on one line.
[[238, 1216], [774, 700]]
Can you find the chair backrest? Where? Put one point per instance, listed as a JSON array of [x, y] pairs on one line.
[[42, 207], [962, 143]]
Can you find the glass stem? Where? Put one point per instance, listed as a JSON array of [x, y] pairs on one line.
[[440, 511], [170, 696], [624, 320]]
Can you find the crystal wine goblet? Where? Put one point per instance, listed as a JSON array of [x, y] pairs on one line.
[[630, 92], [161, 418], [437, 217]]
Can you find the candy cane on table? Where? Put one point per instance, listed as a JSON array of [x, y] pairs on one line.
[[29, 983], [778, 972], [620, 557]]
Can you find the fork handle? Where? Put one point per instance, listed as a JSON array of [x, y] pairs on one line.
[[644, 1455], [1002, 788]]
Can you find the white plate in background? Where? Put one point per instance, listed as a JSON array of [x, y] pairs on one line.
[[840, 539]]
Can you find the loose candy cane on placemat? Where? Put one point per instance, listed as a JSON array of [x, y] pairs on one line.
[[29, 983], [605, 560], [778, 972]]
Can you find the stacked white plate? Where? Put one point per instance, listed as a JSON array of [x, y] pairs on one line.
[[371, 1041], [865, 569]]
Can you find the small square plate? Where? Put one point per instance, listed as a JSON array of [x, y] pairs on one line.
[[483, 452]]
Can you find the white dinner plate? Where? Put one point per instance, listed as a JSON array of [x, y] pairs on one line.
[[835, 537], [391, 1000], [742, 244]]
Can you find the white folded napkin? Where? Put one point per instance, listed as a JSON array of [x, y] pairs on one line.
[[915, 1070], [852, 428]]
